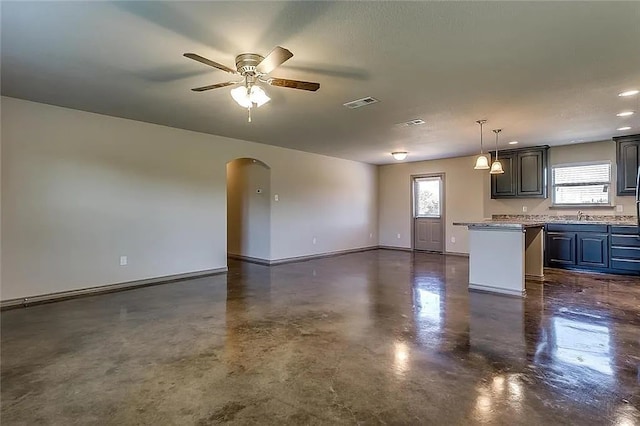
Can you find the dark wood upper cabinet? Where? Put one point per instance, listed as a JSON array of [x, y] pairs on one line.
[[504, 185], [525, 173], [627, 162]]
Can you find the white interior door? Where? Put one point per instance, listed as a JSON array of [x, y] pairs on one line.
[[427, 214]]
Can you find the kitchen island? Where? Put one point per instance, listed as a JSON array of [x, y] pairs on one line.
[[503, 253]]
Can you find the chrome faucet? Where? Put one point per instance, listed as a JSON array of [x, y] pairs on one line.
[[580, 215]]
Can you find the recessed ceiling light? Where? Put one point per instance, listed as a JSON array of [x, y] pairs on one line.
[[513, 143], [629, 93], [399, 155], [624, 114], [624, 128]]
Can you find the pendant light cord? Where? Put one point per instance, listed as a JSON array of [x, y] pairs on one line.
[[481, 123], [496, 131]]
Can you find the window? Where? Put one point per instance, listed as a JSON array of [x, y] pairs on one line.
[[427, 196], [581, 184]]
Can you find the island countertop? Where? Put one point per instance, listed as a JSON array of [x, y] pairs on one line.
[[501, 224]]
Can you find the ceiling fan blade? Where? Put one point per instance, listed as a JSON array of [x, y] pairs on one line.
[[210, 63], [275, 58], [214, 86], [294, 84]]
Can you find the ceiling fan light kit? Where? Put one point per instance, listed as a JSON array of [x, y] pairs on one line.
[[254, 68], [247, 98]]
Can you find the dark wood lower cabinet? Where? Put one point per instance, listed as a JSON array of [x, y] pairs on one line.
[[593, 250], [561, 249], [601, 248], [625, 249]]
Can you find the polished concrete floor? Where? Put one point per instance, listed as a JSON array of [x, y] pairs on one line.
[[380, 337]]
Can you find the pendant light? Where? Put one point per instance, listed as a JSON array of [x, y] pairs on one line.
[[482, 162], [496, 166]]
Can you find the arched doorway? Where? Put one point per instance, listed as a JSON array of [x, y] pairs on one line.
[[249, 210]]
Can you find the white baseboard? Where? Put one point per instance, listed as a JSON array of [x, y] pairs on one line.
[[502, 291], [456, 253], [321, 255], [109, 288], [250, 259], [395, 248]]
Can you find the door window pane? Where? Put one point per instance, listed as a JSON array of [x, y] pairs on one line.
[[427, 197]]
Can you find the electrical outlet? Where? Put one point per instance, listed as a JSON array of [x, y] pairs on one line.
[[524, 209], [453, 240], [313, 241], [619, 208], [124, 261], [398, 236]]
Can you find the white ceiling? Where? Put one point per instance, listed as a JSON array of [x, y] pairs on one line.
[[544, 72]]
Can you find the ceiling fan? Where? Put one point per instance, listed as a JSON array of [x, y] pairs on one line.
[[254, 68]]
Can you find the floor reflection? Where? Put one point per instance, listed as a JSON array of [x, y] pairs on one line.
[[401, 358], [497, 328], [582, 344], [577, 339], [428, 295], [427, 305], [502, 391]]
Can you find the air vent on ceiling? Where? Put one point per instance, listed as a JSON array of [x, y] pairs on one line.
[[361, 102], [414, 122]]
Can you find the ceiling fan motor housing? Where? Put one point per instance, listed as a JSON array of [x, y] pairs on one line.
[[246, 63]]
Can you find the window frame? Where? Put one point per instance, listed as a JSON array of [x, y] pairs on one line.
[[609, 202]]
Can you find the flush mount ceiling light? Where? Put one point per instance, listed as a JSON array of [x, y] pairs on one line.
[[624, 128], [482, 162], [496, 167], [625, 113], [399, 155], [629, 93], [513, 143]]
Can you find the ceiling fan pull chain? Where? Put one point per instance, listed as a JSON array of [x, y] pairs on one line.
[[249, 112]]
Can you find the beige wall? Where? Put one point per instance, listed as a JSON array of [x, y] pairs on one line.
[[584, 152], [249, 208], [464, 200], [80, 189]]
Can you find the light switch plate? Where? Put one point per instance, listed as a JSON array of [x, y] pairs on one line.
[[124, 260], [276, 198]]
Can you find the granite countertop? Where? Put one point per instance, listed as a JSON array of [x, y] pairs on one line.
[[593, 222], [502, 224], [628, 220], [536, 221]]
